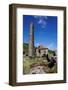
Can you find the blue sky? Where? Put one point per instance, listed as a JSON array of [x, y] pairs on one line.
[[45, 30]]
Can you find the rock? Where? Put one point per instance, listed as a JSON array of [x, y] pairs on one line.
[[37, 70]]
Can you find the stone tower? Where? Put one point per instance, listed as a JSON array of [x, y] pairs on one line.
[[31, 40]]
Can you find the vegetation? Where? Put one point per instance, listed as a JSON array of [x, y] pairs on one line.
[[29, 63], [50, 52], [25, 48], [32, 62]]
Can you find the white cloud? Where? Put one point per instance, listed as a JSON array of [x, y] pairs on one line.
[[42, 20], [37, 17], [42, 23]]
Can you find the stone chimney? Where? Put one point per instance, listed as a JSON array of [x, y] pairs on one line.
[[31, 40]]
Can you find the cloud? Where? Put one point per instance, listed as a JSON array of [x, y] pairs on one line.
[[42, 23], [42, 20], [37, 17], [43, 17]]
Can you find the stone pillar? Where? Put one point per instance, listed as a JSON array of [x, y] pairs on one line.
[[31, 40]]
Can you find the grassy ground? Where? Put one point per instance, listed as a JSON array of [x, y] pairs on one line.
[[29, 63]]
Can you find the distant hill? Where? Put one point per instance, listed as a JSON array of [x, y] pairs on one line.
[[51, 52], [26, 47]]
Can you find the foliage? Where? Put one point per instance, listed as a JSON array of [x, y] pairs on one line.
[[50, 52], [25, 48]]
